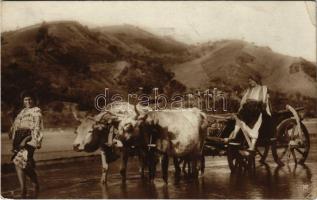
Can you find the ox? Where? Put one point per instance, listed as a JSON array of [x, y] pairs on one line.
[[176, 133], [100, 132]]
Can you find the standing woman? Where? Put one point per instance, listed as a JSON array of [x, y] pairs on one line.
[[253, 112], [27, 136]]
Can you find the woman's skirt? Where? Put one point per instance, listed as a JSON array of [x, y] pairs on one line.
[[22, 156], [250, 112]]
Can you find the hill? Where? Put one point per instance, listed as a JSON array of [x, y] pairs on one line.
[[231, 61], [68, 62], [67, 55], [136, 38]]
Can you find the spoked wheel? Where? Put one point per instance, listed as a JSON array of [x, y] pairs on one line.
[[239, 159], [232, 156], [290, 144], [262, 152]]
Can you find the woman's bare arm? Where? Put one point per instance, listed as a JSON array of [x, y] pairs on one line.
[[25, 140]]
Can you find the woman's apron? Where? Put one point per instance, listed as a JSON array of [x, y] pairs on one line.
[[22, 156]]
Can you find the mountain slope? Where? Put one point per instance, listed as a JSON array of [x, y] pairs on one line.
[[67, 61], [231, 61], [136, 38]]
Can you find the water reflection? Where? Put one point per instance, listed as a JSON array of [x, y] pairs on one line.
[[294, 170], [253, 185], [104, 191], [165, 192], [268, 181], [290, 181], [295, 178], [287, 181]]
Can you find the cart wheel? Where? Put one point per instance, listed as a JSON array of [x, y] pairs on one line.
[[262, 152], [289, 143], [233, 156], [239, 159]]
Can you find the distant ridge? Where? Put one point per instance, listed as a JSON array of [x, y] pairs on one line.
[[64, 61], [232, 60]]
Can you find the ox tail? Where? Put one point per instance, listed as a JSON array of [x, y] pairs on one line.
[[203, 130]]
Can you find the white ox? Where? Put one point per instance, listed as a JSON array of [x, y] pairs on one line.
[[176, 133]]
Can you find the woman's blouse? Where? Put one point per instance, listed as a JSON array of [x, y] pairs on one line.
[[257, 93], [30, 118]]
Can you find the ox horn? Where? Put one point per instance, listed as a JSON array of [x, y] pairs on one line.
[[75, 113]]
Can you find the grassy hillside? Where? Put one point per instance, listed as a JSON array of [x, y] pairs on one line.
[[67, 62], [227, 64], [232, 61], [135, 37]]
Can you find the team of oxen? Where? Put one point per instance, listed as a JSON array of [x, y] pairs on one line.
[[134, 129]]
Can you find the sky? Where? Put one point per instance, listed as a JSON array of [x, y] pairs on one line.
[[286, 27]]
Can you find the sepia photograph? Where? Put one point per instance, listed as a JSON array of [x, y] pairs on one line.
[[158, 100]]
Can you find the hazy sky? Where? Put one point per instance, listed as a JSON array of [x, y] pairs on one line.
[[286, 27]]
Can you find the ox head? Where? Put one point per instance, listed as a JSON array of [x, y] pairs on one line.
[[91, 133], [129, 126]]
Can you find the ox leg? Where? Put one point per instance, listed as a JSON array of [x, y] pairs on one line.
[[189, 166], [185, 164], [104, 174], [194, 171], [141, 163], [151, 158], [202, 165], [165, 168], [177, 167], [181, 161], [124, 162]]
